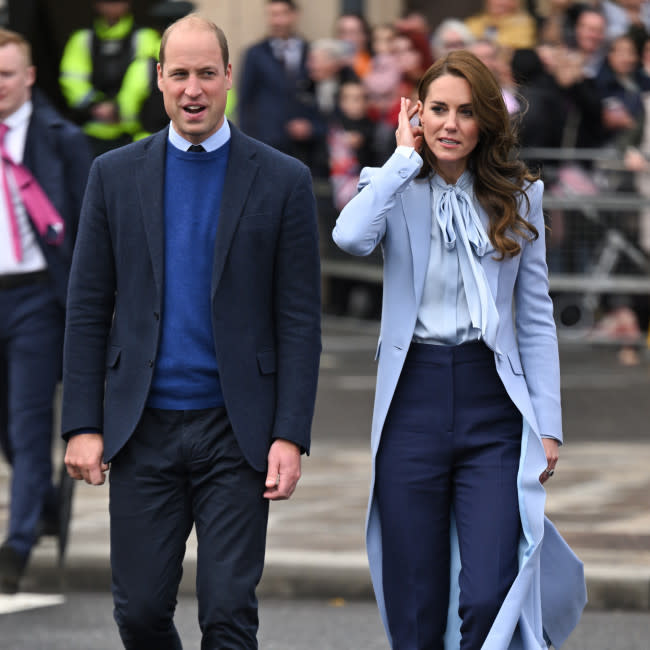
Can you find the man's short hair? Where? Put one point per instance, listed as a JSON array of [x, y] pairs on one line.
[[200, 21], [7, 37], [291, 3]]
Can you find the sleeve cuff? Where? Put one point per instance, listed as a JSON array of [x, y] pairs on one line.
[[405, 151]]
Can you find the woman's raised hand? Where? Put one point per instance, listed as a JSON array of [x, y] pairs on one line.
[[408, 135]]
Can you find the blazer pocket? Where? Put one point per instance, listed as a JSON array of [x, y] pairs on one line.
[[113, 356], [266, 362], [515, 362], [256, 220]]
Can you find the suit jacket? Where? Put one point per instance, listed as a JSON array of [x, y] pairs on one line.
[[268, 97], [394, 210], [58, 155], [265, 296]]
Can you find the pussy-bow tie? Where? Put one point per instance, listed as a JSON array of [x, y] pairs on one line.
[[454, 211]]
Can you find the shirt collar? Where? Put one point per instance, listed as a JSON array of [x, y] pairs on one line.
[[20, 116], [216, 140]]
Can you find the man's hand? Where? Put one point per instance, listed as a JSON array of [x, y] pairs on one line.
[[284, 470], [83, 458]]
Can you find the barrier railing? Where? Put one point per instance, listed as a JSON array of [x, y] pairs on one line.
[[593, 245]]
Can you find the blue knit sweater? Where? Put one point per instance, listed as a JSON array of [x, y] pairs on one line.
[[186, 374]]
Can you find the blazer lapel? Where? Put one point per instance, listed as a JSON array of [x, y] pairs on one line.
[[416, 210], [150, 176], [240, 174]]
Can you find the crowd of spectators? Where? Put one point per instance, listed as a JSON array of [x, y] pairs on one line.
[[573, 75]]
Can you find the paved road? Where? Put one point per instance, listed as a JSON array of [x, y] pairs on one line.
[[84, 621]]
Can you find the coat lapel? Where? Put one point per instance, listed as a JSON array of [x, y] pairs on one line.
[[240, 174], [418, 225], [150, 175]]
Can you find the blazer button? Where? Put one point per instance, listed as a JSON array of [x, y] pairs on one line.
[[150, 363]]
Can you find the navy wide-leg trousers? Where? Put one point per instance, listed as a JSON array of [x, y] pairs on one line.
[[451, 441]]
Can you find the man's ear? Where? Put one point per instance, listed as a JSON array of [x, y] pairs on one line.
[[159, 70], [31, 75]]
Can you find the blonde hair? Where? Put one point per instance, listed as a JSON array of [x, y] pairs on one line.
[[7, 37]]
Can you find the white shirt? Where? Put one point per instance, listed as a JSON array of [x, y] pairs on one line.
[[33, 259]]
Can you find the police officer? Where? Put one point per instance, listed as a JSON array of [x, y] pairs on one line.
[[102, 98]]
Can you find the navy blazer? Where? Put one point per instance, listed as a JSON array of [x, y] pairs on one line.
[[58, 155], [268, 97], [265, 296]]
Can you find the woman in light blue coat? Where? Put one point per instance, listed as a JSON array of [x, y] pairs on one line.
[[466, 424]]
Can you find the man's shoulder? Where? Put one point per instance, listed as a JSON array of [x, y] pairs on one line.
[[265, 154], [46, 116], [120, 156]]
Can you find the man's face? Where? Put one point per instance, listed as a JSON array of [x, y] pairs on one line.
[[281, 19], [16, 79], [194, 83], [590, 32]]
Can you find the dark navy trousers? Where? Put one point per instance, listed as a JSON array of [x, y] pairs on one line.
[[31, 342], [451, 440], [184, 468]]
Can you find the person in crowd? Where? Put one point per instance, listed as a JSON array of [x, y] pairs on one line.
[[555, 26], [412, 20], [33, 19], [44, 166], [354, 30], [467, 406], [276, 100], [590, 34], [328, 69], [504, 21], [630, 17], [451, 34], [351, 141], [382, 86], [381, 39], [92, 74], [192, 347], [412, 57], [494, 59], [621, 86]]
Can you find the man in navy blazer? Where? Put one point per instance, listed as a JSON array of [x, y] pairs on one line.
[[276, 95], [33, 285], [191, 349]]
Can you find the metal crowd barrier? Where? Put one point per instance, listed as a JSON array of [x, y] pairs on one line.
[[596, 256]]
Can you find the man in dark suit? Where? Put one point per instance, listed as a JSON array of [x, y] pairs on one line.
[[276, 96], [191, 349], [34, 268]]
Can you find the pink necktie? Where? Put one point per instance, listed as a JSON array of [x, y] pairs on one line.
[[43, 214]]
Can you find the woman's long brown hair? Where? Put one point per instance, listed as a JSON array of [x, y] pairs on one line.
[[499, 178]]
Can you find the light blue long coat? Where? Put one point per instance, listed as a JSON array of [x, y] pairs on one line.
[[394, 209]]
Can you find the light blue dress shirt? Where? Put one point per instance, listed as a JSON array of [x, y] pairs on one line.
[[216, 140], [457, 306]]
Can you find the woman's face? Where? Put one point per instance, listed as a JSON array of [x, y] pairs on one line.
[[450, 127], [407, 57], [623, 57]]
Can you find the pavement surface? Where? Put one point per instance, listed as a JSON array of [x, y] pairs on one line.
[[599, 497]]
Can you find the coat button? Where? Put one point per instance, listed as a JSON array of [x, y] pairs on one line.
[[150, 363]]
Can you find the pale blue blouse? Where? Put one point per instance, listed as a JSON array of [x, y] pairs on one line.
[[457, 305]]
